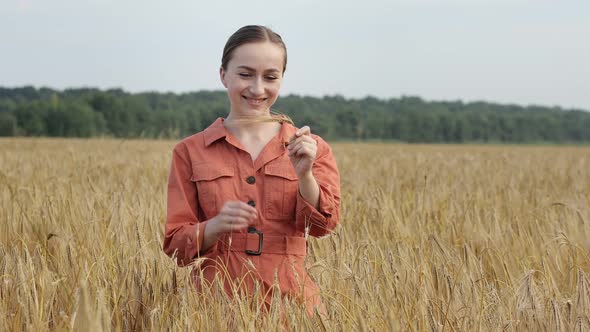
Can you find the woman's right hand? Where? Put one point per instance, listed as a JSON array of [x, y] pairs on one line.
[[234, 216]]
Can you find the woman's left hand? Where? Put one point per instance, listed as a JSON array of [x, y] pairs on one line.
[[302, 151]]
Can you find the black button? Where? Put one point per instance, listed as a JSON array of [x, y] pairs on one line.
[[251, 180], [252, 203]]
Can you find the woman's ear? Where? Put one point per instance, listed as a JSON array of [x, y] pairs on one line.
[[222, 76]]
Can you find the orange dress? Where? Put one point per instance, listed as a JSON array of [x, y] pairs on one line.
[[210, 168]]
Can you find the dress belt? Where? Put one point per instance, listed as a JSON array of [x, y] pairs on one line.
[[267, 244]]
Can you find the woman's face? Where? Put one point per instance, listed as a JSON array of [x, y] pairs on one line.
[[253, 77]]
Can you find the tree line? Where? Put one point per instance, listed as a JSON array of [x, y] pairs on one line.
[[89, 112]]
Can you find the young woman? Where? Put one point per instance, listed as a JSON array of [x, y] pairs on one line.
[[247, 191]]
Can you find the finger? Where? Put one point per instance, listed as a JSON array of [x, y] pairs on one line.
[[249, 208], [231, 204], [311, 145], [293, 143], [293, 148], [242, 206], [309, 139], [301, 150], [310, 150], [296, 147], [303, 131], [301, 139], [240, 222], [227, 219], [240, 212]]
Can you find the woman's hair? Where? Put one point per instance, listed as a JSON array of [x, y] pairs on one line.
[[255, 34], [251, 34]]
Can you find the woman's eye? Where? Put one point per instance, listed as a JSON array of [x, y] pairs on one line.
[[272, 78], [244, 74]]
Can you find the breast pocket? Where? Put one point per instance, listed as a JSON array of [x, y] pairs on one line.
[[280, 190], [212, 181]]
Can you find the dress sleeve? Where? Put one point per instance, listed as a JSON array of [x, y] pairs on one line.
[[183, 235], [321, 221]]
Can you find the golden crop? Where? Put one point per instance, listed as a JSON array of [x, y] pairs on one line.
[[439, 237]]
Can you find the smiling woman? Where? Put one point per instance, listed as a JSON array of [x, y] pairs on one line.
[[254, 78], [245, 193]]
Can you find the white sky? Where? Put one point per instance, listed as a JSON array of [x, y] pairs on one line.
[[506, 51]]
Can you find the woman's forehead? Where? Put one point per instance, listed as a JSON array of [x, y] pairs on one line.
[[259, 56]]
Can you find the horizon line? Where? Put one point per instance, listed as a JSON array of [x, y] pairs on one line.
[[368, 96]]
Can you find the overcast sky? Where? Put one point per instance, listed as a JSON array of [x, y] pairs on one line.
[[506, 51]]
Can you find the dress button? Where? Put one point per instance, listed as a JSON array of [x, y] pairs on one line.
[[252, 203], [251, 180]]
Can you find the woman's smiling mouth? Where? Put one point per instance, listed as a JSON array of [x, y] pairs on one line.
[[254, 101]]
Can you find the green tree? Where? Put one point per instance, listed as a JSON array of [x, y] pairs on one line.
[[8, 126]]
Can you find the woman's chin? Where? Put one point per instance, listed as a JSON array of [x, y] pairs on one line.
[[255, 110]]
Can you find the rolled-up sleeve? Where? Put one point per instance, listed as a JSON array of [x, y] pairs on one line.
[[321, 221], [183, 236]]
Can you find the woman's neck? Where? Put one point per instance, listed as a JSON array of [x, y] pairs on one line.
[[249, 127]]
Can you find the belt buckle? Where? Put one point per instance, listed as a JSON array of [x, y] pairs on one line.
[[260, 235]]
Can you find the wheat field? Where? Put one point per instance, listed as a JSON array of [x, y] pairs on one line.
[[432, 238]]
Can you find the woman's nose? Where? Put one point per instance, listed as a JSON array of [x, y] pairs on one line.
[[257, 87]]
